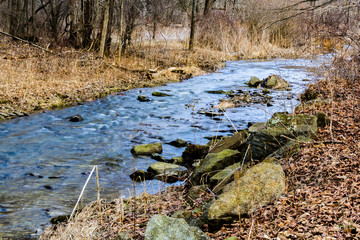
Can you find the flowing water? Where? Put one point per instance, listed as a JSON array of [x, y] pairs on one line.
[[45, 159]]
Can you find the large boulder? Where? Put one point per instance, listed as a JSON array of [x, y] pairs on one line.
[[261, 184], [235, 142], [212, 163], [147, 149], [162, 227], [275, 82], [166, 172], [266, 138]]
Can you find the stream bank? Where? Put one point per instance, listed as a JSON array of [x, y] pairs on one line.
[[42, 154]]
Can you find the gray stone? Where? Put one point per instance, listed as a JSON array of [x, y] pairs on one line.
[[162, 227], [261, 184], [193, 152], [178, 143]]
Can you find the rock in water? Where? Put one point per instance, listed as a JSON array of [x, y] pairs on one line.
[[140, 176], [75, 118], [162, 227], [147, 149], [275, 82], [178, 143], [254, 82], [143, 98], [160, 94], [261, 184], [166, 172]]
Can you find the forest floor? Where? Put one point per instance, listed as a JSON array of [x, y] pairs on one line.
[[322, 200], [33, 80]]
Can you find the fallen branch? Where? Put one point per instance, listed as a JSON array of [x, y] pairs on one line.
[[26, 41]]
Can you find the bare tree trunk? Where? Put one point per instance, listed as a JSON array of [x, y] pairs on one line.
[[104, 29], [121, 28], [192, 27], [33, 18], [208, 6]]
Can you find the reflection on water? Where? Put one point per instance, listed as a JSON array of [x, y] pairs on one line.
[[45, 159]]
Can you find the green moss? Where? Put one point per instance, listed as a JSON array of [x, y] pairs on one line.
[[147, 149]]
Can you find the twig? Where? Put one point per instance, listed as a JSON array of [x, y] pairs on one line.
[[26, 41], [82, 192]]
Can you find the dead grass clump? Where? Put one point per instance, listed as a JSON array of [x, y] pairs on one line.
[[121, 216]]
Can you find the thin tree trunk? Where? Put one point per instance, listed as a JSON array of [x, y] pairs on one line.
[[192, 27], [121, 28], [33, 18], [104, 29]]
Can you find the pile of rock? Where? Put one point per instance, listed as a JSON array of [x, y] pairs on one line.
[[225, 170]]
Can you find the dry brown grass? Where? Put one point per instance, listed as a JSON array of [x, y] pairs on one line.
[[32, 80], [108, 220]]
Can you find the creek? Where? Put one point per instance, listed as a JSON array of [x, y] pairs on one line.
[[45, 159]]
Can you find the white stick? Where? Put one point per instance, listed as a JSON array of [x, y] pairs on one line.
[[82, 192]]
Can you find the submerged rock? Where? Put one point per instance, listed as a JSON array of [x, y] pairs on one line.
[[147, 149], [261, 184], [162, 227], [160, 94], [212, 163], [75, 118]]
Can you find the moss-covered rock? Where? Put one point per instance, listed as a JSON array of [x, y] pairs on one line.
[[235, 142], [309, 94], [177, 160], [220, 92], [197, 191], [265, 139], [162, 227], [193, 152], [143, 98], [227, 175], [147, 149], [275, 82], [178, 143], [166, 172], [260, 185], [212, 163], [253, 82], [160, 94]]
